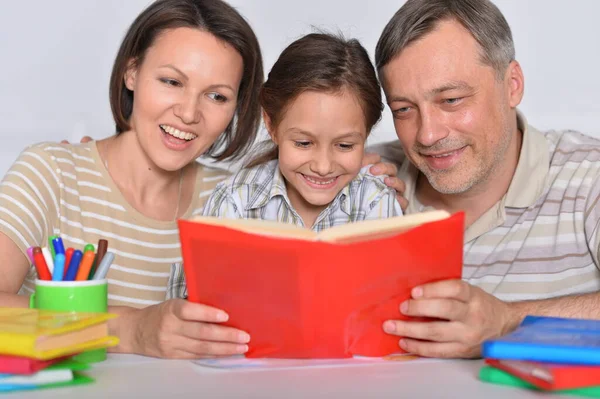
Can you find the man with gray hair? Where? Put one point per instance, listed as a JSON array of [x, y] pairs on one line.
[[531, 199]]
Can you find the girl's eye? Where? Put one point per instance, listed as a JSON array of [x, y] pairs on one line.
[[302, 144], [346, 147], [217, 97], [171, 82]]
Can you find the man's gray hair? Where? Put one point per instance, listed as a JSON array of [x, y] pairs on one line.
[[481, 18]]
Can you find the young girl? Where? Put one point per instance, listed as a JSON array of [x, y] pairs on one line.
[[319, 103]]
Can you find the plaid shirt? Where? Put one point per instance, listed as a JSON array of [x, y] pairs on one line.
[[260, 193]]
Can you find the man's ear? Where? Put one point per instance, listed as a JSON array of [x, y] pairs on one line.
[[269, 126], [130, 75], [515, 84]]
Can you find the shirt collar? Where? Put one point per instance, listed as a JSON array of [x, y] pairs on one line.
[[276, 187], [269, 189], [529, 180]]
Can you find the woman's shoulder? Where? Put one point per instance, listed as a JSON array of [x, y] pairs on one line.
[[52, 151]]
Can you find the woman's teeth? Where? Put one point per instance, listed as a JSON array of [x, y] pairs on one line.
[[170, 130]]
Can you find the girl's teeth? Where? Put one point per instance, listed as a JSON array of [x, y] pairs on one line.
[[322, 183], [178, 133]]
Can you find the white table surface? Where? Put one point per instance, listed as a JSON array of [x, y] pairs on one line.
[[130, 376]]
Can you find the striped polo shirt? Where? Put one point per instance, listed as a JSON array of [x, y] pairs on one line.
[[541, 239], [65, 189]]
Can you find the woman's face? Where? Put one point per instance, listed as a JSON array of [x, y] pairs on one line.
[[185, 95]]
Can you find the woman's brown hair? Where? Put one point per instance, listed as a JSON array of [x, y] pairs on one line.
[[319, 62], [217, 18]]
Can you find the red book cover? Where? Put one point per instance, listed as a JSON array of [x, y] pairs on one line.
[[550, 376], [24, 365], [300, 298]]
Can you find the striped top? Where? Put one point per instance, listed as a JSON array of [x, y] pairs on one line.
[[260, 193], [65, 189], [541, 239]]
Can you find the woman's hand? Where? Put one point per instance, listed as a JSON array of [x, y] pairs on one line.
[[385, 168], [178, 329]]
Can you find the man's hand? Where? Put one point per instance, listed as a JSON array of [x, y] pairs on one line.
[[179, 329], [84, 139], [468, 316], [389, 169]]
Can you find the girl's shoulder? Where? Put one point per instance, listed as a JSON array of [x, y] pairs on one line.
[[258, 175]]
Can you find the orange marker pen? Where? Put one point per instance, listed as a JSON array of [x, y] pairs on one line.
[[85, 266]]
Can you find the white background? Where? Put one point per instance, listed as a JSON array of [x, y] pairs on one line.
[[56, 58]]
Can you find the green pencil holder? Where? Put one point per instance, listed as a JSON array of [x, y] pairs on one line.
[[89, 296]]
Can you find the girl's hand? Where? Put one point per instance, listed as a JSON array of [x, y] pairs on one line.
[[179, 329], [389, 169]]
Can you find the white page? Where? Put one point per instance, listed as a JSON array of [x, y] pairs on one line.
[[241, 362], [40, 378]]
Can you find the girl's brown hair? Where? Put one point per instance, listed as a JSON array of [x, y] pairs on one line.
[[217, 18], [319, 62]]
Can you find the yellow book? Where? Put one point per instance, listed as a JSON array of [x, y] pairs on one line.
[[44, 334]]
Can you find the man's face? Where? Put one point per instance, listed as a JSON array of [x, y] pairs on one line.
[[453, 116]]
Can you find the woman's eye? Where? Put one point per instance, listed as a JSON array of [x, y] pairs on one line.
[[301, 144], [217, 97], [171, 82]]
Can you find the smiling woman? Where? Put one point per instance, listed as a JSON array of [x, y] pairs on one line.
[[185, 82]]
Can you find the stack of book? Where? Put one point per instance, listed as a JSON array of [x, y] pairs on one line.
[[547, 354], [36, 347]]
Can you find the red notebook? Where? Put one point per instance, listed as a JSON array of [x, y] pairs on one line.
[[301, 294], [550, 376], [24, 365]]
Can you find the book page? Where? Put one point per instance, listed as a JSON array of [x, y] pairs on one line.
[[241, 362], [259, 227], [371, 229]]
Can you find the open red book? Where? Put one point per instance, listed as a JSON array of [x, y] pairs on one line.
[[301, 294]]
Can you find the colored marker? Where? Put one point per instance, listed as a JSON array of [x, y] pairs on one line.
[[59, 266], [49, 259], [89, 247], [40, 264], [102, 247], [51, 246], [57, 244], [74, 265], [103, 267], [30, 254], [68, 255], [85, 266]]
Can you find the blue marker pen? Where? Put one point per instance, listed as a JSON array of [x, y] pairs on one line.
[[59, 267], [74, 265], [59, 248]]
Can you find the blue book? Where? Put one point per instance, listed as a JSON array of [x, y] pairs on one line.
[[549, 339]]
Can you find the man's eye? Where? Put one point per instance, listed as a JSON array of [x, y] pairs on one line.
[[452, 100], [217, 97], [302, 144], [171, 82]]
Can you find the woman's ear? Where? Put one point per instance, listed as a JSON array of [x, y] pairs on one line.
[[269, 126], [130, 75]]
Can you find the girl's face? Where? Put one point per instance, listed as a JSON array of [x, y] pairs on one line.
[[321, 141], [185, 95]]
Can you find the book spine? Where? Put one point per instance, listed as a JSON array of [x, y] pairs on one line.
[[17, 344]]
